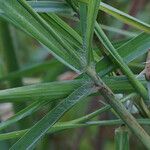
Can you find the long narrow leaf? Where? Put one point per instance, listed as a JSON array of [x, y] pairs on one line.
[[90, 23], [122, 16], [50, 6], [21, 17], [23, 113], [128, 51], [59, 90], [45, 6], [119, 61], [40, 129], [36, 105], [54, 90], [63, 126], [125, 17]]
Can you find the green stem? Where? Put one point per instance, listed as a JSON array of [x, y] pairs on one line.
[[122, 138], [67, 125], [100, 111], [114, 56], [120, 109]]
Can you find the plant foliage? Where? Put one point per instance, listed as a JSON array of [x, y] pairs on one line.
[[78, 49]]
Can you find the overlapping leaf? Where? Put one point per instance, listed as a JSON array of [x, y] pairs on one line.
[[40, 128], [32, 23], [63, 126], [88, 23], [57, 90], [49, 30], [42, 5]]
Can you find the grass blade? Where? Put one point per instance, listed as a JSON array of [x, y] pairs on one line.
[[90, 24], [52, 91], [60, 89], [32, 70], [60, 126], [119, 61], [54, 34], [65, 31], [46, 5], [50, 6], [10, 57], [119, 31], [39, 129], [100, 111], [20, 16], [23, 113], [123, 16], [129, 51], [119, 108]]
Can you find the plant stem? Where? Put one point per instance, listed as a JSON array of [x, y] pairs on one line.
[[60, 126], [100, 111], [114, 56], [118, 60], [119, 108], [122, 138]]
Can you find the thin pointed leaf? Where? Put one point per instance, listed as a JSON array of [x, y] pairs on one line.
[[119, 31], [104, 7], [23, 113], [40, 128], [21, 17], [84, 118], [63, 126], [116, 58], [64, 31], [123, 16], [90, 23], [129, 51], [50, 6], [32, 70], [57, 90], [83, 19], [51, 91]]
